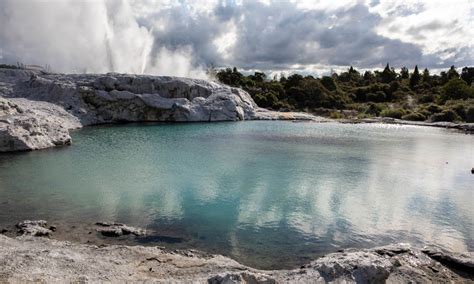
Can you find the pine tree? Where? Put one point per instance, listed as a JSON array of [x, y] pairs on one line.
[[388, 75], [426, 76], [404, 74], [415, 77]]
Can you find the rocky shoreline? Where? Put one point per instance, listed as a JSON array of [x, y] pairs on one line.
[[38, 109], [34, 256]]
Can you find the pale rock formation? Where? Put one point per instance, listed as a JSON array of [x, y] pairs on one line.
[[38, 109], [27, 258], [37, 228], [118, 229]]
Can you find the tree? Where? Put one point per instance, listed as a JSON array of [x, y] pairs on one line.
[[388, 75], [369, 76], [467, 74], [329, 83], [293, 81], [404, 73], [351, 75], [230, 77], [456, 89], [452, 73], [426, 76], [415, 77], [258, 77]]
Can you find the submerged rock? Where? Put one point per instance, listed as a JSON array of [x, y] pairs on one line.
[[37, 228], [118, 229]]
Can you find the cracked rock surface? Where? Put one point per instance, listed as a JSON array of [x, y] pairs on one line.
[[28, 258]]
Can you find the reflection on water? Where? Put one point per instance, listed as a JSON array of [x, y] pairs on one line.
[[270, 194]]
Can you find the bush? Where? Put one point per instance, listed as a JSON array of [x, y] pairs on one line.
[[426, 98], [446, 115], [434, 108], [394, 113], [379, 96], [266, 100], [456, 89], [470, 114], [374, 109], [336, 115], [329, 83], [414, 116]]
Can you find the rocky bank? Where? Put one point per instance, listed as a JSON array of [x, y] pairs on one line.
[[28, 258], [38, 109]]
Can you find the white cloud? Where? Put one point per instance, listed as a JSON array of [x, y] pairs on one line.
[[439, 27], [304, 36]]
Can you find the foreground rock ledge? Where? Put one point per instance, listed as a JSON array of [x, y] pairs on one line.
[[30, 258], [37, 109]]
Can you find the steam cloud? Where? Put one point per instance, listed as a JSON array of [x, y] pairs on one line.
[[86, 36]]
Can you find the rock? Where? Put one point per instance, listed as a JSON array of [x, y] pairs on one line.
[[36, 228], [462, 262], [118, 229], [3, 230], [38, 110], [27, 259], [243, 277]]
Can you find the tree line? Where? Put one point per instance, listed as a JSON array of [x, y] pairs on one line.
[[411, 95]]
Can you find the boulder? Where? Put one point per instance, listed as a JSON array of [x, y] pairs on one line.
[[118, 229], [37, 228]]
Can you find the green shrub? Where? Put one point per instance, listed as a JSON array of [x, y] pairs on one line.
[[374, 109], [336, 115], [456, 89], [414, 116], [394, 113], [426, 98], [470, 114], [446, 115], [266, 100], [378, 96], [434, 108]]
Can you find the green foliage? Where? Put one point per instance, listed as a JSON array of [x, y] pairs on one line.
[[269, 99], [394, 113], [414, 116], [230, 77], [388, 75], [410, 96], [329, 83], [404, 74], [374, 109], [452, 73], [470, 114], [467, 75], [426, 98], [445, 115], [415, 77], [456, 89]]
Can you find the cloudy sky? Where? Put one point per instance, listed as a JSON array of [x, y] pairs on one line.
[[184, 37]]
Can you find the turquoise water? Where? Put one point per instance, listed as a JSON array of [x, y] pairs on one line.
[[269, 194]]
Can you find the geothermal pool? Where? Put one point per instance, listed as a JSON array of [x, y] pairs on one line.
[[270, 194]]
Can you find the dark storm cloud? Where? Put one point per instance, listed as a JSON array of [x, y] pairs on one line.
[[275, 36], [280, 35]]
